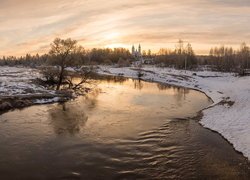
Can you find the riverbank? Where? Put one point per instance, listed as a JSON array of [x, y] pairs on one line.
[[229, 114], [18, 89], [139, 129]]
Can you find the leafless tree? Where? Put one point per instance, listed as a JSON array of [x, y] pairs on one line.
[[62, 55]]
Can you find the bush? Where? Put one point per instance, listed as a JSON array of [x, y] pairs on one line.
[[123, 63]]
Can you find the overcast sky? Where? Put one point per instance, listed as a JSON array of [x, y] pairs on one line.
[[28, 26]]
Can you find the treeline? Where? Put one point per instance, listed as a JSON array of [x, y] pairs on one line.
[[182, 57], [80, 57], [28, 60], [228, 59], [220, 58]]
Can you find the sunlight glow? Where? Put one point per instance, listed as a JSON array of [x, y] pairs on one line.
[[153, 23], [112, 36], [117, 45]]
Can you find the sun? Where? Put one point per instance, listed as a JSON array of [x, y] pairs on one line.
[[112, 36], [113, 40]]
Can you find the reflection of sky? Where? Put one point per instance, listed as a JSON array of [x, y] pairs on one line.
[[121, 110], [149, 96], [116, 111], [31, 25]]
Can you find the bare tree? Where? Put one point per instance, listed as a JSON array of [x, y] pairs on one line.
[[179, 49], [244, 54], [62, 55]]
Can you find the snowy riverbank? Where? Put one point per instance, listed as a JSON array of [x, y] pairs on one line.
[[231, 118], [18, 89]]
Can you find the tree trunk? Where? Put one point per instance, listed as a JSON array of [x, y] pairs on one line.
[[60, 78]]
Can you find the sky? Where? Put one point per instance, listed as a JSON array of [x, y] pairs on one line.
[[29, 26]]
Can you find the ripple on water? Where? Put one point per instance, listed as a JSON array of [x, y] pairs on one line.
[[125, 133]]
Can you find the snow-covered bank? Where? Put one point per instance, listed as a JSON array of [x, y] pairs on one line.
[[231, 118], [17, 88], [18, 81]]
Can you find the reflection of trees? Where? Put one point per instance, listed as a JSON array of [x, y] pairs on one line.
[[110, 79], [163, 87], [70, 117], [116, 79], [180, 93], [91, 99], [67, 119], [138, 84], [179, 90]]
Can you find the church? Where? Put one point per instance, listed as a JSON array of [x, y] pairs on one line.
[[136, 52]]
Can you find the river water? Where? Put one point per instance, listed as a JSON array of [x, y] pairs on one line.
[[124, 129]]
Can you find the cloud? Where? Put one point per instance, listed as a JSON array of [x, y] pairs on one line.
[[30, 25]]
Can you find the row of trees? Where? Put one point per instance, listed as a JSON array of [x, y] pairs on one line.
[[220, 58], [228, 59], [28, 60], [182, 57], [80, 56]]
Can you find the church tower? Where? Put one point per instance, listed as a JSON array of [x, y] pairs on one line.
[[133, 50], [139, 49]]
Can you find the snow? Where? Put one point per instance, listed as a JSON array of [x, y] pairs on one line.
[[18, 81], [45, 101], [71, 69], [231, 121]]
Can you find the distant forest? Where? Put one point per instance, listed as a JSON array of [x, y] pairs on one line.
[[221, 58]]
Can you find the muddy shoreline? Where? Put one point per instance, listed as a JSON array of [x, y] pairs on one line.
[[9, 103]]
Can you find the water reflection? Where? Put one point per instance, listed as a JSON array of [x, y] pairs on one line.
[[164, 87], [67, 119], [91, 99], [70, 118], [138, 84], [124, 129], [110, 79]]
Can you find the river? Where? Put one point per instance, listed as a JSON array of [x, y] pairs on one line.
[[123, 129]]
